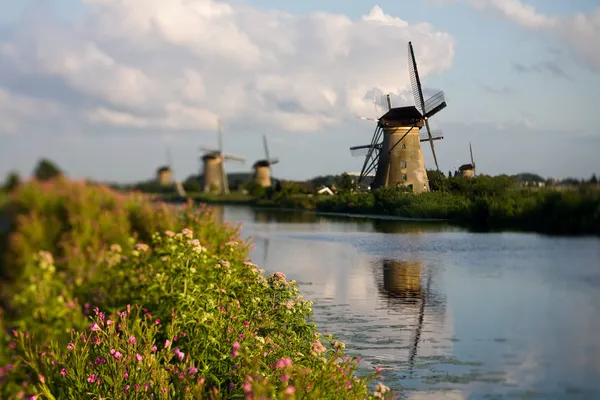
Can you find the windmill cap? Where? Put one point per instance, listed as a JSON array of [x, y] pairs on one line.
[[211, 156], [262, 163], [402, 116]]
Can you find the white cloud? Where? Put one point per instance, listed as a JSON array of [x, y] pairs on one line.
[[15, 107], [580, 32], [179, 64], [524, 14]]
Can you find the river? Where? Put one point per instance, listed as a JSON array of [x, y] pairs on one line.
[[447, 313]]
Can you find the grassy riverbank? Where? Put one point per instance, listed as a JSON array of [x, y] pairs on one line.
[[107, 295], [484, 203]]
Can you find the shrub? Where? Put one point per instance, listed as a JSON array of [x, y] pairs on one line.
[[181, 315]]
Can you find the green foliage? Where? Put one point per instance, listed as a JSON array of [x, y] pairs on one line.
[[437, 181], [117, 297], [192, 185], [346, 183], [46, 170], [483, 203], [13, 180]]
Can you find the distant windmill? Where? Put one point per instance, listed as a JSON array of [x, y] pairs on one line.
[[214, 170], [262, 168], [468, 170], [396, 164]]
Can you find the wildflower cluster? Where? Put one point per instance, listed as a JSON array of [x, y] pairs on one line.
[[179, 313]]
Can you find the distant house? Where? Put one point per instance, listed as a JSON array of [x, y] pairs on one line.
[[325, 190], [163, 176]]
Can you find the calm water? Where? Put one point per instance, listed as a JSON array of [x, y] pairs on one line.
[[447, 313]]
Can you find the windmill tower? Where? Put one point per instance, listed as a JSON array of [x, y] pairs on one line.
[[165, 174], [468, 170], [213, 168], [262, 168], [395, 152]]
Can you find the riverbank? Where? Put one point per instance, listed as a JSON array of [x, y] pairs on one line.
[[99, 281], [484, 209]]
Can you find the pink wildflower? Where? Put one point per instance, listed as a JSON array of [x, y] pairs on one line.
[[193, 370], [289, 390], [109, 322], [154, 348], [70, 346], [126, 375], [95, 327], [63, 372], [285, 378], [91, 378], [132, 339], [138, 358], [167, 343]]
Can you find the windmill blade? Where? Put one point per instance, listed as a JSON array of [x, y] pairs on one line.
[[266, 147], [220, 136], [435, 135], [415, 81], [437, 167], [169, 157], [434, 104], [361, 151], [372, 156], [208, 149], [231, 157], [383, 102], [273, 161], [367, 118], [472, 160]]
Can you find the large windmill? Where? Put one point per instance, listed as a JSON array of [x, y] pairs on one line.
[[262, 168], [395, 152], [468, 170], [214, 169]]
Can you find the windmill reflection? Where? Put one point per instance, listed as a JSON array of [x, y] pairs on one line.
[[218, 213], [405, 287]]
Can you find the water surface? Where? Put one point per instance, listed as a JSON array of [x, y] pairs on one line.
[[449, 314]]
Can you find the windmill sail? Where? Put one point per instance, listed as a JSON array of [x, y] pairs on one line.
[[420, 101]]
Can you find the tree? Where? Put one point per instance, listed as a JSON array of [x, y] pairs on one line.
[[437, 180], [12, 181], [46, 170], [594, 179], [346, 182]]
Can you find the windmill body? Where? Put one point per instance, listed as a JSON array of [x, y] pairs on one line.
[[395, 151], [214, 175], [401, 159], [468, 170], [262, 168]]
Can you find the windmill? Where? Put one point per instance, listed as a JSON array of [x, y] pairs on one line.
[[262, 168], [214, 170], [396, 163], [468, 170]]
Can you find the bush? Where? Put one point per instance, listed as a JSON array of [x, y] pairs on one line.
[[130, 308]]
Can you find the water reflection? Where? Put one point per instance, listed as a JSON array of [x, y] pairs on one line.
[[505, 315], [402, 281], [310, 221]]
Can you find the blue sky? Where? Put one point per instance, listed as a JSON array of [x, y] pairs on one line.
[[516, 87]]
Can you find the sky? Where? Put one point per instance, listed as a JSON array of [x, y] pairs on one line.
[[104, 87]]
